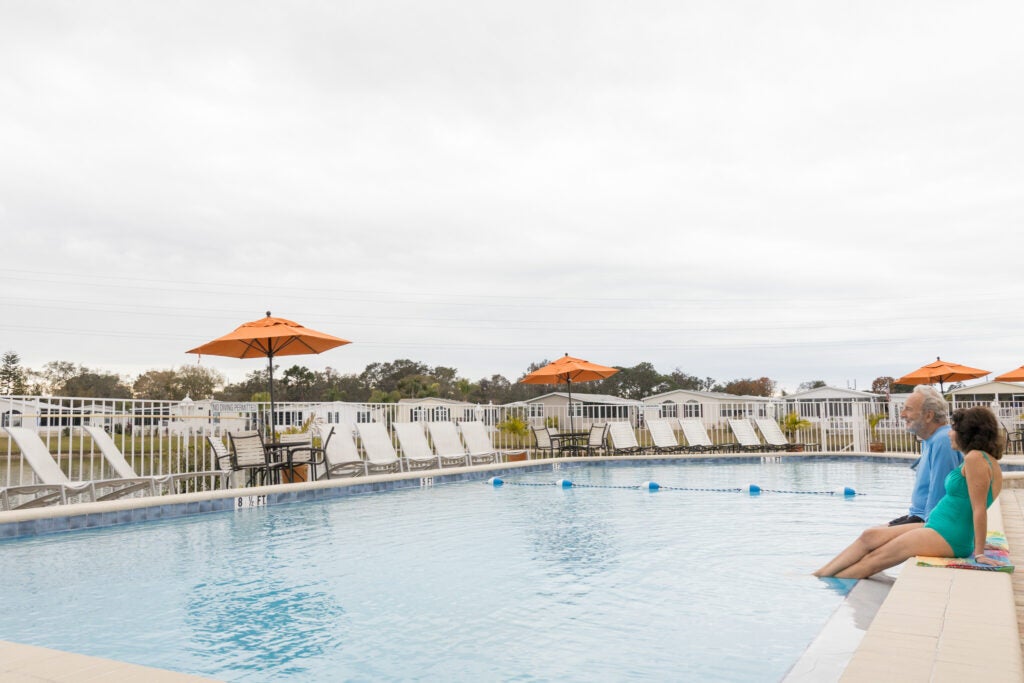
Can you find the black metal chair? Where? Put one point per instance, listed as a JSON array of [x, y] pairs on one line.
[[248, 455], [1014, 440], [546, 444], [294, 454], [596, 444]]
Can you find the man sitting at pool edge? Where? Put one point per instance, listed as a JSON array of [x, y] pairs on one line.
[[927, 416]]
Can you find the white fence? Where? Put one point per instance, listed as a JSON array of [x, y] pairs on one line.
[[167, 437]]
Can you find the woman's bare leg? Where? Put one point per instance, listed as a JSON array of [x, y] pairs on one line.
[[870, 538], [920, 542]]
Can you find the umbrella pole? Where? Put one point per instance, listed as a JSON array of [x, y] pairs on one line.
[[568, 384], [270, 360]]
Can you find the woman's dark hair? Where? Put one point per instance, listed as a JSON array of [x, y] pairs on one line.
[[978, 430]]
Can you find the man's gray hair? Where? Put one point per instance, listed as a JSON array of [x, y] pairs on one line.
[[933, 401]]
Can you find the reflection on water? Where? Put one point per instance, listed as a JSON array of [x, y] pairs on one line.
[[571, 536], [268, 611], [261, 624]]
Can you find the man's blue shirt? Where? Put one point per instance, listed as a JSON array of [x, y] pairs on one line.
[[937, 460]]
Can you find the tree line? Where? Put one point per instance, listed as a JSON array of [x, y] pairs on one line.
[[377, 383]]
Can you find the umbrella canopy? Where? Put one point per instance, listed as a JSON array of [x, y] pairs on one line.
[[568, 369], [941, 371], [266, 338], [1012, 376]]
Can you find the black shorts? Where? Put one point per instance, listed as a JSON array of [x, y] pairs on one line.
[[906, 519]]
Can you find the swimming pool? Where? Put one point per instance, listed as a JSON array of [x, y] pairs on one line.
[[467, 581]]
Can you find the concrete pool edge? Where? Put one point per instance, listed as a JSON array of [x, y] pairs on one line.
[[33, 663], [949, 624]]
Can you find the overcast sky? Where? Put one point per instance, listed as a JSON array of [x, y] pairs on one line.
[[798, 190]]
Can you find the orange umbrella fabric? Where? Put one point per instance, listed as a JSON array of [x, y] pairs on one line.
[[1012, 376], [941, 371], [568, 369], [269, 337]]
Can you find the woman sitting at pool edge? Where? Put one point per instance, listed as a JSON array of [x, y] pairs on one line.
[[958, 525]]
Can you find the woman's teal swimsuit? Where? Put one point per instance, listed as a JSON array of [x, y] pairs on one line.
[[952, 518]]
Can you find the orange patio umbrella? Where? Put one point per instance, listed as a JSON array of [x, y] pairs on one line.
[[941, 371], [1012, 376], [568, 369], [269, 337]]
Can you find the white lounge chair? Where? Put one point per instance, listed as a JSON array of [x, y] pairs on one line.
[[112, 454], [747, 437], [378, 447], [445, 437], [54, 486], [663, 436], [623, 438], [477, 441], [773, 435], [417, 451], [697, 439], [340, 455]]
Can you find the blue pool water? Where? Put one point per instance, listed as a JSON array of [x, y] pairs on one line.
[[467, 581]]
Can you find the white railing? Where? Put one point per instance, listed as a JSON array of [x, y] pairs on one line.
[[169, 437]]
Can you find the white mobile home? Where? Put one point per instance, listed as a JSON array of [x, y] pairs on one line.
[[710, 406], [587, 409], [829, 402]]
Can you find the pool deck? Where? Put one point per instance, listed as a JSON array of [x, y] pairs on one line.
[[31, 664], [935, 625], [941, 624]]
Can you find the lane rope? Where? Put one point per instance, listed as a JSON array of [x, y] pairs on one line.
[[752, 489]]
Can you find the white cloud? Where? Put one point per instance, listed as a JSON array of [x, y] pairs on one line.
[[795, 190]]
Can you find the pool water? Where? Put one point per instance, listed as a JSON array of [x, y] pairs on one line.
[[467, 581]]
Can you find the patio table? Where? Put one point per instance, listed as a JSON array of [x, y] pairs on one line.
[[572, 442], [280, 456]]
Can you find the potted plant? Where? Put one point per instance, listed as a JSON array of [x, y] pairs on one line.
[[876, 445], [515, 428], [791, 424]]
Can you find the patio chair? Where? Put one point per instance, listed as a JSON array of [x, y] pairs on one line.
[[115, 458], [697, 439], [412, 441], [477, 441], [623, 438], [663, 436], [445, 437], [222, 456], [1013, 437], [545, 444], [248, 456], [744, 432], [293, 456], [773, 435], [378, 447], [339, 455], [596, 440], [53, 485]]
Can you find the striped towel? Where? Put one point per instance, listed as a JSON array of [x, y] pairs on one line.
[[996, 548]]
